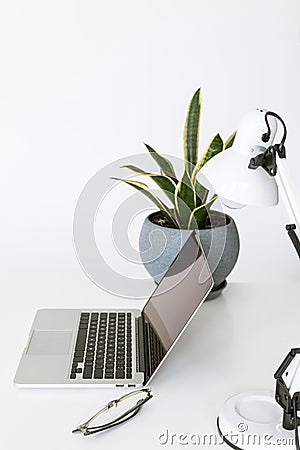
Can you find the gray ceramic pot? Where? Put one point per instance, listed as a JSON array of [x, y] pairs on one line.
[[159, 245]]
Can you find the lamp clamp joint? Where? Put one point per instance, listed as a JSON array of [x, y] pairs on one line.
[[289, 404], [266, 161]]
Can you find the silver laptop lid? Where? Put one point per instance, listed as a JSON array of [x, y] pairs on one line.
[[177, 298]]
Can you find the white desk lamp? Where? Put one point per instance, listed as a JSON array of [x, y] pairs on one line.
[[245, 174], [254, 419]]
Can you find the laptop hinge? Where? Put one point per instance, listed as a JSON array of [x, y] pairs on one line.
[[141, 341]]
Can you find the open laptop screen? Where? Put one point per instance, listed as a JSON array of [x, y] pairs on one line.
[[182, 290]]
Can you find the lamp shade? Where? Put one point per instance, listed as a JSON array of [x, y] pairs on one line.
[[231, 179], [228, 172]]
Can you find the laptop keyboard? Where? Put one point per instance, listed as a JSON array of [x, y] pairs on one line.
[[156, 349], [103, 347]]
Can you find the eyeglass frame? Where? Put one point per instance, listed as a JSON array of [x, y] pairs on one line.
[[129, 414]]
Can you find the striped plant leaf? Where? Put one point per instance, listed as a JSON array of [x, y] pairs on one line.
[[201, 193], [135, 169], [198, 215], [229, 141], [214, 147], [191, 132], [144, 189], [166, 184], [185, 199], [165, 165]]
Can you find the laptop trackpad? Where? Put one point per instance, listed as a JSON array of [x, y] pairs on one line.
[[49, 342]]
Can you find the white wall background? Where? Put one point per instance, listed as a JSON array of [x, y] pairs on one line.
[[85, 82]]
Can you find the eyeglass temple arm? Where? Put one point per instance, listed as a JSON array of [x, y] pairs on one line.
[[84, 426], [123, 418]]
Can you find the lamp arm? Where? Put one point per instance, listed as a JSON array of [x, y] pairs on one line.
[[267, 161], [290, 205]]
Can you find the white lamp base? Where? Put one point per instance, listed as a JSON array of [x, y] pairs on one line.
[[253, 420]]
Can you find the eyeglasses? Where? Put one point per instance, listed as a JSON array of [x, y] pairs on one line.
[[128, 406]]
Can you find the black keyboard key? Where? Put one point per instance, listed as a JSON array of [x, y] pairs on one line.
[[73, 376], [98, 373], [120, 374], [109, 375], [110, 360], [81, 340], [110, 345], [87, 372]]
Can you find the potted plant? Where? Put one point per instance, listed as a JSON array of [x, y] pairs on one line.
[[191, 207]]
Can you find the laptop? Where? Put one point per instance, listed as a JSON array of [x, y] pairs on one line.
[[116, 347]]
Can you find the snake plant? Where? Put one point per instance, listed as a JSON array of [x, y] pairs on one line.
[[189, 199]]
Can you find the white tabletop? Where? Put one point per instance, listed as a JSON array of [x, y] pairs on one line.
[[234, 343]]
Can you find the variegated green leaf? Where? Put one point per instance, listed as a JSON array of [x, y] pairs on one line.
[[166, 184], [185, 199], [214, 147], [201, 193], [165, 165], [191, 132], [135, 169], [198, 215], [144, 189], [229, 141]]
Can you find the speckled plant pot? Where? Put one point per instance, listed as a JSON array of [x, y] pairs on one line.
[[160, 245]]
